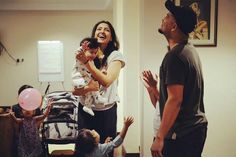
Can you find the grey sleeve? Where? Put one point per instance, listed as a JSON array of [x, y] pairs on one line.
[[108, 147], [116, 55]]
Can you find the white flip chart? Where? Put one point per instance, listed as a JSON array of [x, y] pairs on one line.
[[50, 61]]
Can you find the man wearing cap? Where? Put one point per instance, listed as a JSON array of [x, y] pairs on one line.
[[183, 128]]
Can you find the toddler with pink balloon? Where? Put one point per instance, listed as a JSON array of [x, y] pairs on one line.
[[29, 143]]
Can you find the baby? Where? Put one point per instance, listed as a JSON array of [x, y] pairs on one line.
[[81, 76], [88, 141]]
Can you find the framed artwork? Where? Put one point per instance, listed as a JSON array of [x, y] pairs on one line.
[[205, 33]]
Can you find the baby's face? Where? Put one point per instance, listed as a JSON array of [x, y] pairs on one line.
[[91, 53]]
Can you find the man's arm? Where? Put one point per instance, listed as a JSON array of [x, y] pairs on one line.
[[170, 113], [171, 109]]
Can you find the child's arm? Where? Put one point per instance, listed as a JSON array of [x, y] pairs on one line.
[[17, 120], [127, 122], [108, 147], [46, 113], [150, 82]]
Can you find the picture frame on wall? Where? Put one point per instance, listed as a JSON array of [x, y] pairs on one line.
[[205, 33]]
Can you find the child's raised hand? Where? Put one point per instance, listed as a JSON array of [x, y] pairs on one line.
[[148, 79], [128, 121], [49, 105]]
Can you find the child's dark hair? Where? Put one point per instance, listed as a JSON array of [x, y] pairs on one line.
[[23, 87], [93, 42], [85, 142]]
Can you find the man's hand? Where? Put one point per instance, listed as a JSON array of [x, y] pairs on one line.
[[156, 148]]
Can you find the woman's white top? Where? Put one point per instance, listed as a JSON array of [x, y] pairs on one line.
[[111, 92]]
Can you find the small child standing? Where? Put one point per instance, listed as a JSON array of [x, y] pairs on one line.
[[88, 141], [29, 144], [81, 76]]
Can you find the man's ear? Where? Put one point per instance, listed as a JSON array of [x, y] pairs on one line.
[[174, 27]]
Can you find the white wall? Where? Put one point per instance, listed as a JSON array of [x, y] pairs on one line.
[[131, 29], [20, 31], [144, 49], [126, 20], [219, 72]]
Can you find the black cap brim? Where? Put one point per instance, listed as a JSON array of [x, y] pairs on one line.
[[185, 17]]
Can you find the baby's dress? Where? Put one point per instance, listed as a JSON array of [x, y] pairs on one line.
[[29, 140]]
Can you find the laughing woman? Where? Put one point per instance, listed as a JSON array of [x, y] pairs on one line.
[[105, 69]]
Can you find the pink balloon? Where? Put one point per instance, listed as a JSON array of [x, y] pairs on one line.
[[30, 99]]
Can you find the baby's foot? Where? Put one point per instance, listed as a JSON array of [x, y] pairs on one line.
[[88, 110]]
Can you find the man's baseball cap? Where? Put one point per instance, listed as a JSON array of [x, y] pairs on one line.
[[185, 17]]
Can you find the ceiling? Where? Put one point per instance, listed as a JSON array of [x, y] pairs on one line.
[[55, 5]]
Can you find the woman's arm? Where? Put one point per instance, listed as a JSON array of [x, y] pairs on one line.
[[112, 72]]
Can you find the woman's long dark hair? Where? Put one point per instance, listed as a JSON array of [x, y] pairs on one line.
[[112, 45]]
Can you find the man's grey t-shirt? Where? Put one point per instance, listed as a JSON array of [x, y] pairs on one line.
[[182, 66]]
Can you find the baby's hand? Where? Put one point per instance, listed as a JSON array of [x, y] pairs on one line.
[[85, 45], [81, 56], [128, 121]]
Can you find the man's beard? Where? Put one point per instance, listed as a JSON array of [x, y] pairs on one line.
[[160, 31]]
